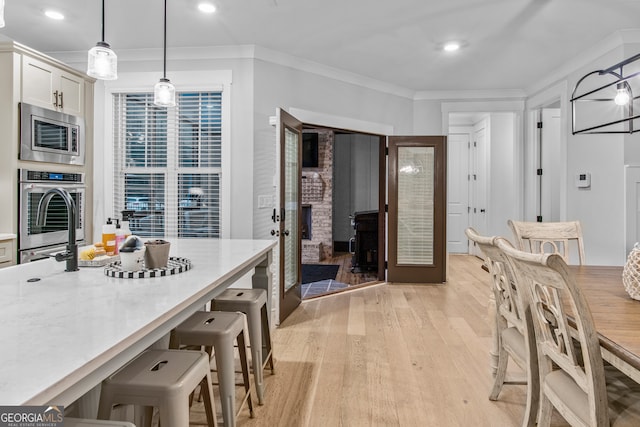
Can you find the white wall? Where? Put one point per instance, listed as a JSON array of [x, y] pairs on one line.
[[504, 170], [600, 208], [280, 86], [427, 117]]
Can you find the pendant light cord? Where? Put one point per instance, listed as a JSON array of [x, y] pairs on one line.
[[103, 21], [164, 67]]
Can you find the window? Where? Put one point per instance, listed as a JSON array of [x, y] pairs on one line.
[[168, 164]]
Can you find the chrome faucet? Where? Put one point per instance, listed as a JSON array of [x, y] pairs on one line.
[[71, 254]]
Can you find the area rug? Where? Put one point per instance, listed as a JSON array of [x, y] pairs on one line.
[[317, 272], [322, 287]]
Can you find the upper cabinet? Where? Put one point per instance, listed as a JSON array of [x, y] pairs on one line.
[[50, 87]]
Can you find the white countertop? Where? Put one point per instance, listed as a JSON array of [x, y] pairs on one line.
[[58, 330], [7, 236]]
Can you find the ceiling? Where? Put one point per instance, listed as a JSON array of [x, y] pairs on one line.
[[509, 44]]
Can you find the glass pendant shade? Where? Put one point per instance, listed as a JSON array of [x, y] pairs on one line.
[[164, 93], [102, 62], [1, 13], [622, 97]]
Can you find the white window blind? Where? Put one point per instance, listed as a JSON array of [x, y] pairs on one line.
[[416, 185], [168, 164]]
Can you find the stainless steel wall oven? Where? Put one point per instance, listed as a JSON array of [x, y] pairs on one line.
[[38, 241]]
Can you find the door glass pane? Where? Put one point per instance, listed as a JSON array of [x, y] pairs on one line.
[[415, 205], [291, 208]]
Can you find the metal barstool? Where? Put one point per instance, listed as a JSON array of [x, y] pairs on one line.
[[253, 303], [219, 329], [164, 379]]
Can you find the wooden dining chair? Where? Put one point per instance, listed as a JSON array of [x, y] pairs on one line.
[[573, 378], [513, 334], [549, 237]]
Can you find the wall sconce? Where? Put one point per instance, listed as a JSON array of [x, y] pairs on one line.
[[102, 62], [602, 101], [164, 93]]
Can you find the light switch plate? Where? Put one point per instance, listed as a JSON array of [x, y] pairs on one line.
[[583, 180]]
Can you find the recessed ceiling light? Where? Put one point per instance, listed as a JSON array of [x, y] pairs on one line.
[[206, 8], [451, 46], [54, 15]]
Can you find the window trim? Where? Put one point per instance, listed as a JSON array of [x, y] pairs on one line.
[[141, 82]]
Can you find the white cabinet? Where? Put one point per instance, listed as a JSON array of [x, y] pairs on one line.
[[50, 87], [6, 253]]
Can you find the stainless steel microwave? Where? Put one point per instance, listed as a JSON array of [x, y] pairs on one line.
[[51, 136]]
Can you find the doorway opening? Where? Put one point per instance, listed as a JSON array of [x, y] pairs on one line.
[[340, 186], [483, 176], [549, 163]]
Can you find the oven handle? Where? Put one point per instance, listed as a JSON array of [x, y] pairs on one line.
[[32, 186], [39, 254]]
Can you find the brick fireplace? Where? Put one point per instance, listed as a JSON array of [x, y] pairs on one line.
[[317, 189]]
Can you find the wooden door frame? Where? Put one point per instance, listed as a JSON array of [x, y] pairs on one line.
[[435, 273], [289, 299], [382, 190], [382, 207]]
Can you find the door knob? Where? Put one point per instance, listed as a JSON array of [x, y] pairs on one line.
[[285, 232]]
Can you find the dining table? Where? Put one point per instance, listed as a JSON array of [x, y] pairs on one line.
[[63, 332], [615, 314]]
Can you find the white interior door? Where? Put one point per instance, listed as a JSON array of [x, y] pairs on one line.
[[478, 182], [549, 147], [458, 179]]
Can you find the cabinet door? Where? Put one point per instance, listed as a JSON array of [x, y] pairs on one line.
[[37, 83], [72, 94], [49, 87], [6, 253]]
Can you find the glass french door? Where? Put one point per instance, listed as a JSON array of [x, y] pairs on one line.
[[288, 230], [417, 209]]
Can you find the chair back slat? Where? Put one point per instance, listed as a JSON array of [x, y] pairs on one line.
[[549, 237]]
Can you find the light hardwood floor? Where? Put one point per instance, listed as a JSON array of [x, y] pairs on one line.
[[344, 273], [389, 355]]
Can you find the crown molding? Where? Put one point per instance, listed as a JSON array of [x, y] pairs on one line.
[[255, 52], [317, 68], [243, 52], [469, 94], [613, 41], [173, 54]]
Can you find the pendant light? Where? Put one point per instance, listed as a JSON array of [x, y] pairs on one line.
[[164, 93], [102, 62], [1, 13], [622, 95]]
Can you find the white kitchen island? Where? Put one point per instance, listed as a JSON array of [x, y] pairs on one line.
[[63, 334]]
